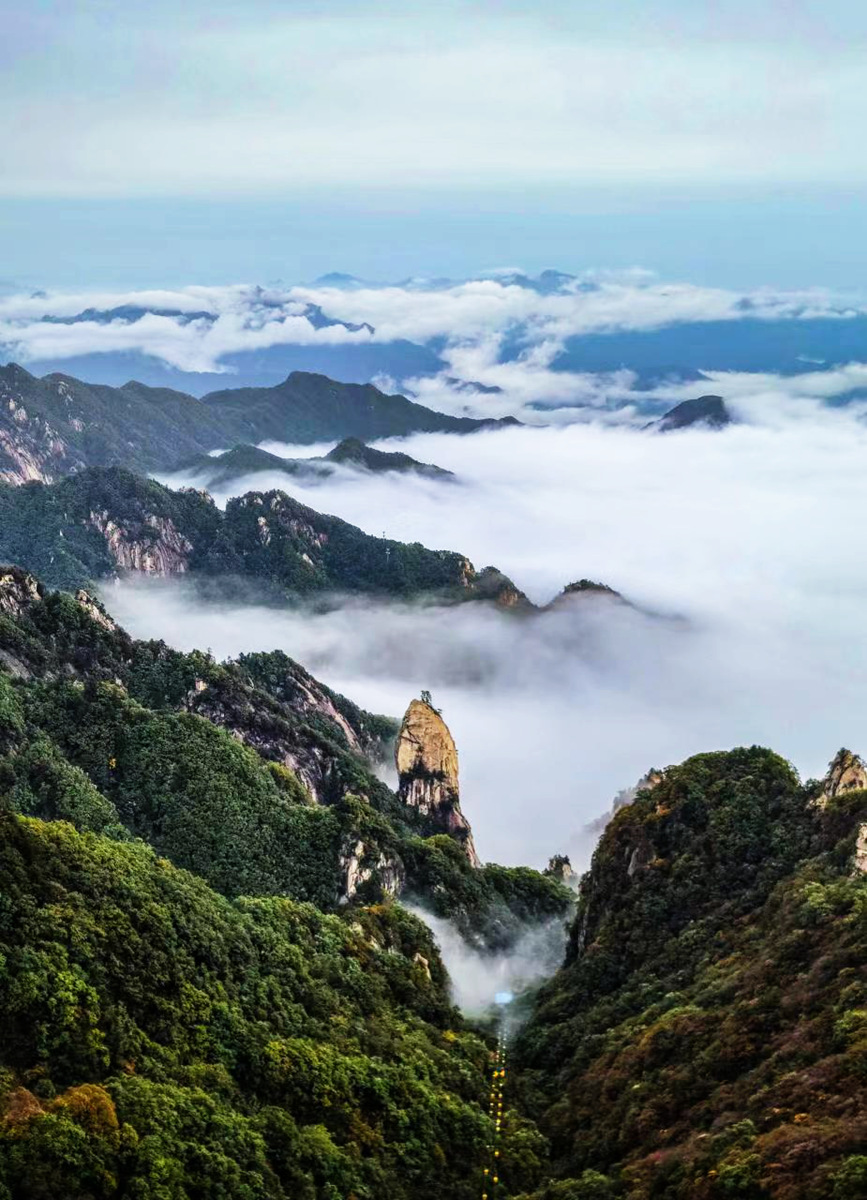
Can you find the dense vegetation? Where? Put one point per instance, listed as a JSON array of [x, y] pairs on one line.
[[250, 773], [160, 1041], [100, 521], [196, 1005], [166, 1038], [706, 1037]]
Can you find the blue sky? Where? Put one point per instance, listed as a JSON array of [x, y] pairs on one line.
[[714, 140]]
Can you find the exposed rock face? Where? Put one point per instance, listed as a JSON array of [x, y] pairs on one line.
[[157, 548], [561, 868], [290, 718], [427, 765], [95, 610], [18, 591], [251, 719], [847, 772], [357, 866], [30, 447], [645, 783]]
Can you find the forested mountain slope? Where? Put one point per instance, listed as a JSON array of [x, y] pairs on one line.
[[313, 408], [208, 990], [250, 773], [165, 1038], [104, 522], [707, 1036]]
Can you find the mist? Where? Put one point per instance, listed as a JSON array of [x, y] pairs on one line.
[[476, 977], [741, 551]]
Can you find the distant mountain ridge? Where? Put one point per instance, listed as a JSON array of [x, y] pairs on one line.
[[323, 409], [55, 425], [217, 470]]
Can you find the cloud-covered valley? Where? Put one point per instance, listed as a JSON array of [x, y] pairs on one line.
[[740, 550]]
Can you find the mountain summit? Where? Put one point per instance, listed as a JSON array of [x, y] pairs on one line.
[[702, 410]]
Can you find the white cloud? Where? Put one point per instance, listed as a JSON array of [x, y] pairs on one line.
[[471, 319], [750, 535]]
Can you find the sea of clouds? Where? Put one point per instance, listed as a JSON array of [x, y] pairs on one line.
[[740, 551], [505, 332]]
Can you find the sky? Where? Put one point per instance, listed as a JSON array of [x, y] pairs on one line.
[[221, 142]]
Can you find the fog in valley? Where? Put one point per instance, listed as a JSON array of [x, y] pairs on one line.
[[477, 976], [739, 551]]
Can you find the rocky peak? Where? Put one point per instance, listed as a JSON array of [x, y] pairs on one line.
[[427, 765], [847, 772]]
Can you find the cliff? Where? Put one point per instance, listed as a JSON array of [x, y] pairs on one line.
[[427, 765], [846, 773]]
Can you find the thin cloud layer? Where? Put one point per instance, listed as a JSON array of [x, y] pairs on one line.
[[740, 550], [266, 98]]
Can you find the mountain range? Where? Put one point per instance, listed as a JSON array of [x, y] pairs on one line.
[[55, 425], [218, 470]]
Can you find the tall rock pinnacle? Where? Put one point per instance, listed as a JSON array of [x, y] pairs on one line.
[[427, 764]]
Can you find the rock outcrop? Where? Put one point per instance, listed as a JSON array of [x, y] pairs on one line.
[[358, 865], [647, 781], [18, 591], [427, 765], [95, 610], [860, 862], [560, 868], [847, 772]]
